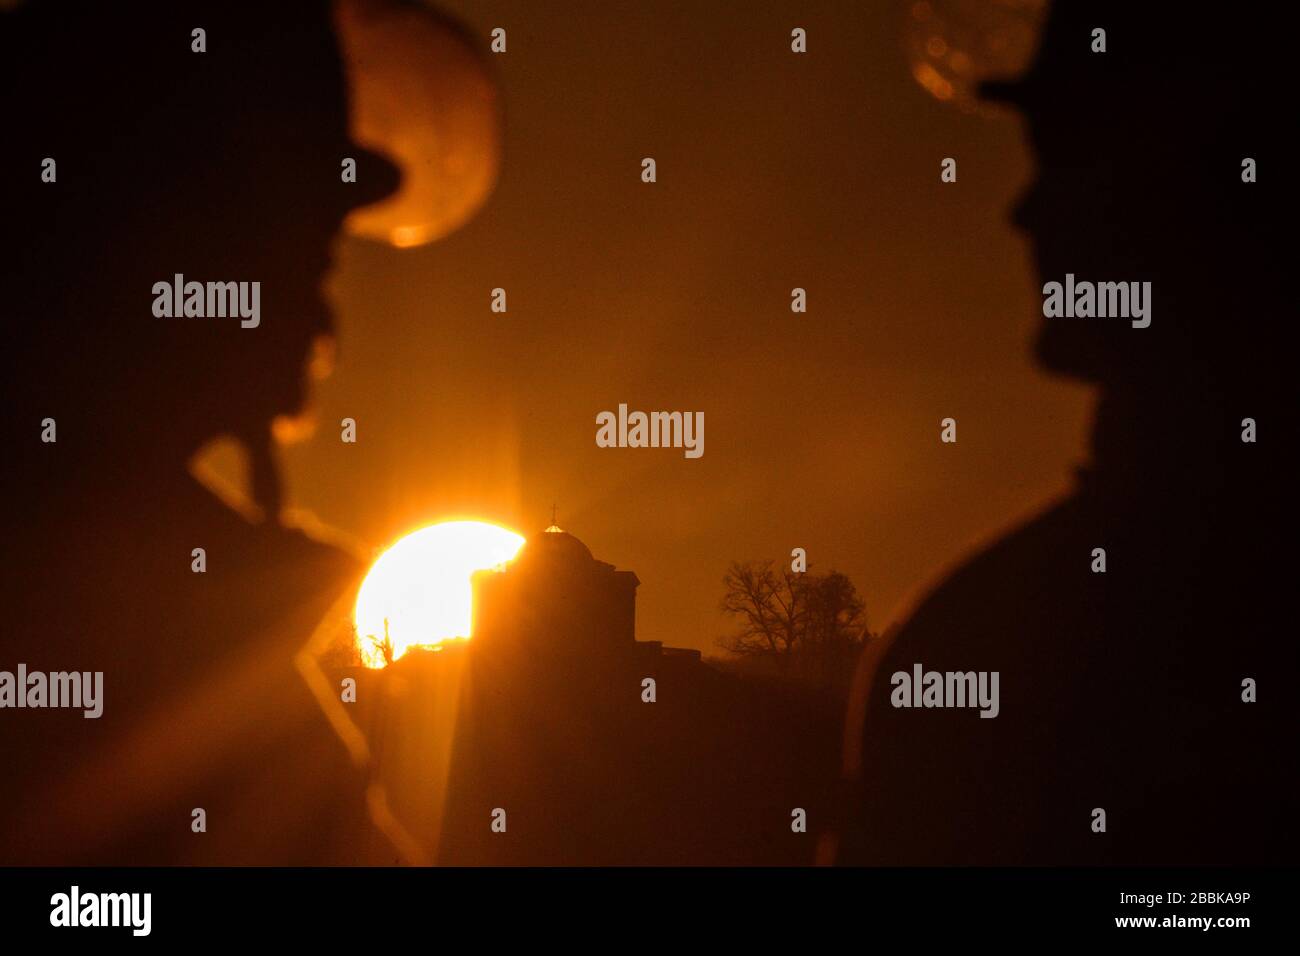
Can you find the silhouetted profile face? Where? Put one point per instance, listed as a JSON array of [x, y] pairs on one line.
[[1138, 153], [222, 165]]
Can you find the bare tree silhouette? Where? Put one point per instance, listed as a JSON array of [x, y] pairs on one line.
[[805, 621], [835, 625], [384, 647]]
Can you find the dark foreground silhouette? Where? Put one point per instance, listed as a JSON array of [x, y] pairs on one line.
[[1123, 690], [223, 166]]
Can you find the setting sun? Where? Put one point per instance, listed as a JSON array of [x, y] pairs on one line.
[[418, 592]]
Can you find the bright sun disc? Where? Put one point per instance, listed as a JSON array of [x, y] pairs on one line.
[[420, 587]]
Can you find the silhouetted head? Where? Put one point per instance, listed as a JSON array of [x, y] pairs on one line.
[[1139, 153], [221, 165]]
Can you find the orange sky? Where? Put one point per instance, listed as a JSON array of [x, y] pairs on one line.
[[775, 171]]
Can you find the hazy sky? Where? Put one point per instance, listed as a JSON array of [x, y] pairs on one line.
[[774, 171]]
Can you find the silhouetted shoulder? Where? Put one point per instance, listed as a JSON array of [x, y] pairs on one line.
[[944, 784], [964, 609]]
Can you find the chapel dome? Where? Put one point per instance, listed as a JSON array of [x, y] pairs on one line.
[[555, 545]]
